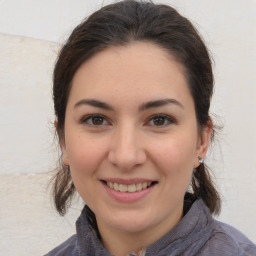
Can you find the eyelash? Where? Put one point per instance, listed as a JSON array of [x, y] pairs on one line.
[[166, 118], [85, 119]]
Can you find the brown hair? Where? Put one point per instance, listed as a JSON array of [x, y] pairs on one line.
[[120, 24]]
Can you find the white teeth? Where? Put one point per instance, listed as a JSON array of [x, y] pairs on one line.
[[116, 186], [123, 188], [131, 188], [128, 188], [110, 184], [144, 185], [138, 186]]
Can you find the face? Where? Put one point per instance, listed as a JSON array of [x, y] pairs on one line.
[[131, 138]]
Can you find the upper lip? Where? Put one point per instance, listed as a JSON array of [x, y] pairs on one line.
[[127, 181]]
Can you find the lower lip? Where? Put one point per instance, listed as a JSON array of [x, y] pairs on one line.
[[126, 197]]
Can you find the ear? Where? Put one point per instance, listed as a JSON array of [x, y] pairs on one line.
[[203, 142], [64, 155]]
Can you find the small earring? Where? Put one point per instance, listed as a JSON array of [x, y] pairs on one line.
[[200, 160]]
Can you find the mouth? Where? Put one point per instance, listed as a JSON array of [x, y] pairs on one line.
[[131, 188]]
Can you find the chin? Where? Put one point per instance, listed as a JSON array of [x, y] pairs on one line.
[[131, 227], [131, 223]]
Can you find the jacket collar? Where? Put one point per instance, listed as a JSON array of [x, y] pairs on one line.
[[194, 226]]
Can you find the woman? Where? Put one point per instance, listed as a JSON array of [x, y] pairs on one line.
[[132, 91]]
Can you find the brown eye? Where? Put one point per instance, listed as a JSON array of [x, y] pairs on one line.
[[97, 120], [94, 120], [160, 120]]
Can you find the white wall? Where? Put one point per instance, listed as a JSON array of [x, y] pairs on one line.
[[29, 33]]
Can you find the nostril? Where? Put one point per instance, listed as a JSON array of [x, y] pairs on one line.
[[126, 161]]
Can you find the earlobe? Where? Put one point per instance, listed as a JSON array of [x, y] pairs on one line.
[[200, 160], [56, 125], [64, 156], [203, 144], [65, 159]]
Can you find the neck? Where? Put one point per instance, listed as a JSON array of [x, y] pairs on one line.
[[122, 243]]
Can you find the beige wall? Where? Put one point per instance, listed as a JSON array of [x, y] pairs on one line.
[[28, 223]]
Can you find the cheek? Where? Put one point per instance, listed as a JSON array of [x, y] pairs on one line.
[[175, 155], [85, 154]]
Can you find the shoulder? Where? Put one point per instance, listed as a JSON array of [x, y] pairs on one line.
[[226, 240], [69, 247]]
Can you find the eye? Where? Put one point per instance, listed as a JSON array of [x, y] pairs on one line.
[[94, 120], [160, 120]]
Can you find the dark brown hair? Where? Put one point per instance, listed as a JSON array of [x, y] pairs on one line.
[[121, 24]]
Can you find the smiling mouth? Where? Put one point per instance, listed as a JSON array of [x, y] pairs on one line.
[[132, 188]]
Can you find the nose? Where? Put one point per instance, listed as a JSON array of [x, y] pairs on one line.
[[126, 152]]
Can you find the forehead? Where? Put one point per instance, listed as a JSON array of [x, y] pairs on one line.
[[138, 71]]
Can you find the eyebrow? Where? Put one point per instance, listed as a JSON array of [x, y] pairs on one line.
[[142, 107], [94, 103], [159, 103]]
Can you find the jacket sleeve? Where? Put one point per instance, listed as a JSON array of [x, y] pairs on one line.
[[228, 241]]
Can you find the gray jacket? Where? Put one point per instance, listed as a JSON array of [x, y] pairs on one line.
[[196, 234]]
